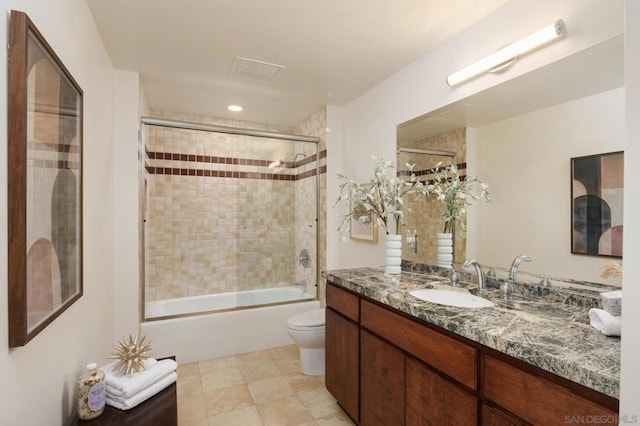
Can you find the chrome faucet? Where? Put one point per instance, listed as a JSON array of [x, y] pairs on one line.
[[514, 265], [479, 271]]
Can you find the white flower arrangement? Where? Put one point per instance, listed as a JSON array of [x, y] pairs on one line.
[[380, 199], [456, 194]]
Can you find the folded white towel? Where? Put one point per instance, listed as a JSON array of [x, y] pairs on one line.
[[127, 386], [118, 395], [606, 323], [143, 395]]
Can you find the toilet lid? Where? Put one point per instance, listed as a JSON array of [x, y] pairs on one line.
[[312, 318]]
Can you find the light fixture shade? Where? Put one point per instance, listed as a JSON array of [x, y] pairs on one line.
[[508, 53]]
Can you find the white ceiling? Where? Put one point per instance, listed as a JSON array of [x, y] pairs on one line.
[[333, 50]]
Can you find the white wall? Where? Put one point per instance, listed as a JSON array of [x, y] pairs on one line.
[[526, 160], [630, 374], [126, 288], [370, 121], [37, 381], [334, 139]]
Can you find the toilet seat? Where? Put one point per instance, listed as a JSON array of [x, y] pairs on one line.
[[309, 320]]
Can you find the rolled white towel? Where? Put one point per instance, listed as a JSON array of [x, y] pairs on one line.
[[606, 323], [126, 386], [143, 395]]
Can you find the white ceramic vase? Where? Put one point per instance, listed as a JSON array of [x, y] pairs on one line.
[[444, 244], [394, 254]]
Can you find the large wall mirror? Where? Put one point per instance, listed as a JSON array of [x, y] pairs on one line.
[[45, 183], [519, 138]]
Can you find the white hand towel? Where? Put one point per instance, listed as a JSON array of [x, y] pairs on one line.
[[143, 395], [127, 386], [117, 395], [606, 323]]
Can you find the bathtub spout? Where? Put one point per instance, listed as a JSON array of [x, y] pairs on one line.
[[302, 284]]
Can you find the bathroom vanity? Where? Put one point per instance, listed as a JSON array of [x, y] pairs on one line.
[[392, 359]]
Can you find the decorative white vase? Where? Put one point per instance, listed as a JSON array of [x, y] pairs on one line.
[[394, 254], [444, 244]]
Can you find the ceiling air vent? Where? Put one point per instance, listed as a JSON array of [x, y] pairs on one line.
[[251, 69]]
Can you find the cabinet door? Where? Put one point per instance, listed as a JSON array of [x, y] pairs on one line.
[[382, 382], [433, 400], [493, 417], [341, 361]]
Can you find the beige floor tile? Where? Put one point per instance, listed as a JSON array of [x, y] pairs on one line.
[[338, 418], [189, 385], [227, 399], [258, 370], [319, 402], [288, 365], [252, 357], [284, 352], [243, 417], [224, 378], [218, 364], [284, 412], [185, 370], [302, 383], [270, 389], [311, 423], [191, 409], [201, 422]]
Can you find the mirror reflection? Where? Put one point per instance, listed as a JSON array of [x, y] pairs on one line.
[[519, 137]]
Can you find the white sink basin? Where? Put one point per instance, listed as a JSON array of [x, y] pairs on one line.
[[461, 299]]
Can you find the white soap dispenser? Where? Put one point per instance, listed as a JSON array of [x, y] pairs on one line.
[[91, 393]]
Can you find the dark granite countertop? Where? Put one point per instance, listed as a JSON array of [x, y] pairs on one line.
[[541, 331]]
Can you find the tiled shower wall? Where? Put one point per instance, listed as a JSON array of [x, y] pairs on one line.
[[218, 218], [425, 216]]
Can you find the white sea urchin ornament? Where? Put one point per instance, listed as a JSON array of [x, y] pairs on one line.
[[130, 355]]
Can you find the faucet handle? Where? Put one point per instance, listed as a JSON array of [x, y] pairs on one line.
[[506, 289]]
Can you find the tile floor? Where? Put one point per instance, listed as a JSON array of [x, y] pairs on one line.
[[257, 388]]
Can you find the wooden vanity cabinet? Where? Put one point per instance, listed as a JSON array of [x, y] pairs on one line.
[[342, 349], [385, 368]]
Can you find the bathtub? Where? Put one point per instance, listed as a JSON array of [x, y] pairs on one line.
[[217, 325]]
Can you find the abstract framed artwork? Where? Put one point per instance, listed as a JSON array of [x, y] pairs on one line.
[[597, 184], [363, 231], [44, 183]]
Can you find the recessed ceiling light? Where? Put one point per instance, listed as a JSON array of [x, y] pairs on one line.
[[234, 108]]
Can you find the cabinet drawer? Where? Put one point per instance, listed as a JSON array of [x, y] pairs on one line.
[[343, 301], [453, 358], [536, 399]]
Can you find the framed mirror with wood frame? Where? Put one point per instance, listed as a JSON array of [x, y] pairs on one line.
[[44, 183]]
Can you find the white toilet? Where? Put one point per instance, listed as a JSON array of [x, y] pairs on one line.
[[307, 330]]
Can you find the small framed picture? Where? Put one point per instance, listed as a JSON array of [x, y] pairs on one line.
[[597, 185], [363, 231]]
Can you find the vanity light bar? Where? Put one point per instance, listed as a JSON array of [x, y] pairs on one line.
[[513, 51]]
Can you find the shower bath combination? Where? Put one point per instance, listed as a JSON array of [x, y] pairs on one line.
[[230, 259]]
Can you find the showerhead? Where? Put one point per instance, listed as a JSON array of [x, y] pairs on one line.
[[295, 157]]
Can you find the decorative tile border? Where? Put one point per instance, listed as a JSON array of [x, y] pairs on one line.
[[207, 159]]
